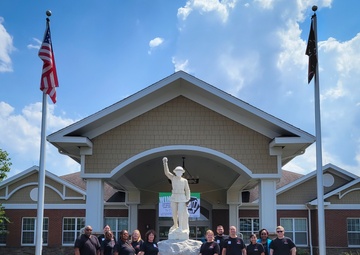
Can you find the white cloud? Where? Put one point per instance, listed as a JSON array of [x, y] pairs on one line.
[[307, 162], [221, 8], [154, 43], [239, 72], [334, 92], [266, 4], [6, 47], [35, 46], [292, 54], [181, 65], [346, 54], [20, 137]]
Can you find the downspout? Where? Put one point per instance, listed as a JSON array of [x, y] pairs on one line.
[[310, 232], [128, 208], [238, 220]]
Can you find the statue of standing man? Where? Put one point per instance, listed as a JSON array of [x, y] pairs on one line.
[[180, 196]]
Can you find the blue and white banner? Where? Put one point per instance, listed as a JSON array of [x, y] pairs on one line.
[[165, 208]]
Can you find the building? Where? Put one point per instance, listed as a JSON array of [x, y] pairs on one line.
[[232, 152]]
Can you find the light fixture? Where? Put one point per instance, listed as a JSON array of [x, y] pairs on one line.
[[191, 179]]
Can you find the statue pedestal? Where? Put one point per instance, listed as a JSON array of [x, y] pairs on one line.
[[177, 234], [179, 247]]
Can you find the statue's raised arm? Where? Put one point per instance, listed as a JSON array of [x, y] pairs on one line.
[[166, 169]]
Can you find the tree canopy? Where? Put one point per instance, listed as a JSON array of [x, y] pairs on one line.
[[4, 164]]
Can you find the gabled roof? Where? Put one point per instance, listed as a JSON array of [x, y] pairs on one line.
[[292, 140], [327, 168], [35, 169], [72, 181]]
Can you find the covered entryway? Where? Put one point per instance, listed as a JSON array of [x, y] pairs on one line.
[[221, 181]]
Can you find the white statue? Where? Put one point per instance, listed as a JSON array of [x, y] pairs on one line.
[[180, 196]]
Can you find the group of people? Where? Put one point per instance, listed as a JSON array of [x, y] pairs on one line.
[[231, 244], [106, 243], [220, 244]]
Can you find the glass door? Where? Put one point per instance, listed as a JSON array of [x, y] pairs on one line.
[[198, 233]]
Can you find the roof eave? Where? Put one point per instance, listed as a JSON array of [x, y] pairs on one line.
[[72, 146], [291, 147]]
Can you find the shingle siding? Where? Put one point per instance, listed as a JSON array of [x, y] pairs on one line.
[[181, 122]]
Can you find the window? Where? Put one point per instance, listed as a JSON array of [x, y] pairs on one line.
[[3, 233], [117, 224], [28, 231], [248, 226], [296, 229], [353, 231], [71, 229]]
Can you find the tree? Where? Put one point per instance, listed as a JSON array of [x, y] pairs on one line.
[[4, 169], [4, 164]]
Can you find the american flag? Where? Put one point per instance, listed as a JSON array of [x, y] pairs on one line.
[[49, 80], [311, 52]]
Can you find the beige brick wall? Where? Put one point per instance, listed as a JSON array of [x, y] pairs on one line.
[[31, 178], [300, 194], [181, 122]]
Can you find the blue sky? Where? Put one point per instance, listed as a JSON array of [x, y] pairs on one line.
[[108, 50]]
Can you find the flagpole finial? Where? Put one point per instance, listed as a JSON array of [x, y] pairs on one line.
[[48, 13], [314, 8]]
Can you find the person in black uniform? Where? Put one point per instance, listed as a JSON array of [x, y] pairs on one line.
[[282, 245], [149, 247], [108, 244], [234, 245], [254, 248], [210, 247], [102, 236], [87, 244], [124, 247], [220, 237], [136, 240]]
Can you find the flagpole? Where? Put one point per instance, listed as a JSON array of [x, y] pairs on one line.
[[319, 167], [41, 181], [41, 174]]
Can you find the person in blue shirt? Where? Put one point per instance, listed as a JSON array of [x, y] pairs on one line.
[[264, 240]]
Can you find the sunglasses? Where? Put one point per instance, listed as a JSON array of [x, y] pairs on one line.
[[279, 231]]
